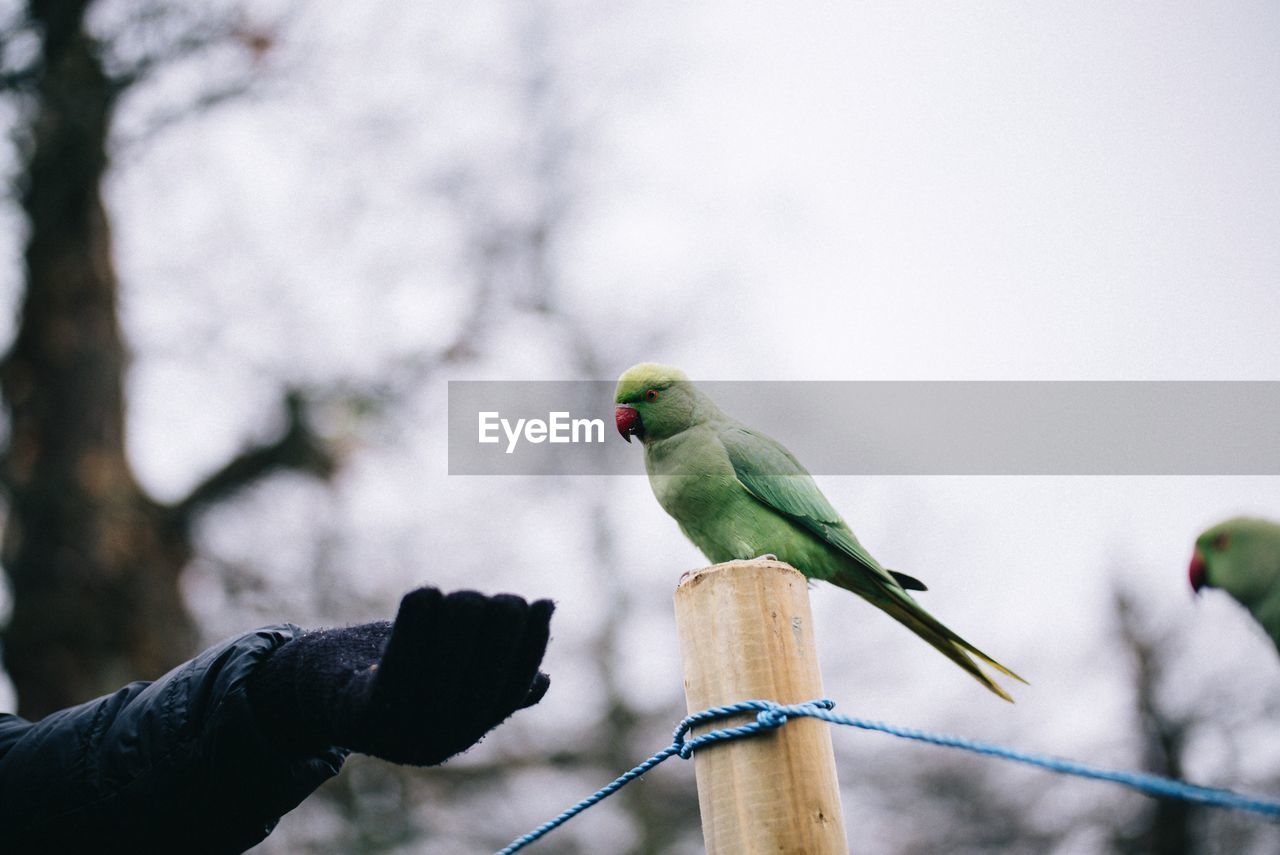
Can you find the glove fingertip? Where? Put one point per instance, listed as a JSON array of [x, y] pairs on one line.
[[538, 690], [465, 595], [419, 601]]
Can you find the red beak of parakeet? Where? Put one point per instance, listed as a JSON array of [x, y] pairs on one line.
[[628, 421], [1196, 571]]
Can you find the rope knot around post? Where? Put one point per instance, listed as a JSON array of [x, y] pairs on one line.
[[769, 716]]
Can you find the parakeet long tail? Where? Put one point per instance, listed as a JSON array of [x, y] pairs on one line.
[[907, 612]]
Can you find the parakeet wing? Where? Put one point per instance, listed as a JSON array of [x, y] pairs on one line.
[[775, 477], [771, 474]]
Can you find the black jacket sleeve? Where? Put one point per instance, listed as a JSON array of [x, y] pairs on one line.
[[178, 765]]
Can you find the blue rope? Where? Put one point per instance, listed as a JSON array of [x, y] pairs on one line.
[[770, 716]]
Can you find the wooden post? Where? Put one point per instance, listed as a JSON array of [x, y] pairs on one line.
[[746, 633]]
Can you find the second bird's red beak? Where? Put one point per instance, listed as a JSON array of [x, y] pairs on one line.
[[628, 421], [1196, 572]]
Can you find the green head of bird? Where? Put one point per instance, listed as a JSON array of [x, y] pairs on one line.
[[1234, 555], [654, 402]]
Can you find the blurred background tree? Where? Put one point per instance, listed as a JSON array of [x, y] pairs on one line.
[[274, 230], [94, 561]]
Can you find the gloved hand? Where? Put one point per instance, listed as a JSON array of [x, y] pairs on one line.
[[431, 685]]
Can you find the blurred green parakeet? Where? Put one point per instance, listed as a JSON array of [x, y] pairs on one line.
[[1242, 557], [737, 494]]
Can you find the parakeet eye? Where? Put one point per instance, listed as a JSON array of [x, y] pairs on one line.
[[1222, 541], [651, 395]]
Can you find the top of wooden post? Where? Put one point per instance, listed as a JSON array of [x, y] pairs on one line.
[[696, 577]]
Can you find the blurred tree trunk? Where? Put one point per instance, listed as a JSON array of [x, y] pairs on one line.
[[93, 561], [95, 577], [1166, 826]]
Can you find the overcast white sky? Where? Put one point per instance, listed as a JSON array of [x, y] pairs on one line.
[[820, 191], [984, 190]]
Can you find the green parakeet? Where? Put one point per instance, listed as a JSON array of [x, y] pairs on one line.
[[737, 494], [1242, 557]]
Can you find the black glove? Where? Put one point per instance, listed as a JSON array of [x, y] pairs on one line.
[[447, 672]]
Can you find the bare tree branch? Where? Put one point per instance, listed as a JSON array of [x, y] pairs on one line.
[[184, 47], [165, 119], [18, 80], [298, 448]]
